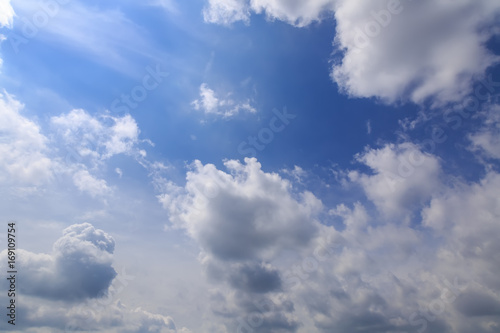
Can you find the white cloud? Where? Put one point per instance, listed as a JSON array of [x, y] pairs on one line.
[[226, 11], [22, 146], [103, 35], [98, 139], [6, 13], [298, 13], [209, 103], [85, 182], [404, 178], [124, 135], [395, 52]]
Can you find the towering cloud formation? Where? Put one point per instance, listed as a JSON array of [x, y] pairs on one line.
[[243, 220]]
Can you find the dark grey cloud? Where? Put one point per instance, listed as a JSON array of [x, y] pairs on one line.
[[255, 278], [476, 304]]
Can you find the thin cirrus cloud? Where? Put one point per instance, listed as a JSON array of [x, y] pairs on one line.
[[105, 36], [261, 218], [404, 178], [30, 159]]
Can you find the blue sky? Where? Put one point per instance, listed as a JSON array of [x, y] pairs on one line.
[[252, 166]]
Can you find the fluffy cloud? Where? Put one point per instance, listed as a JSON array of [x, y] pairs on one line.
[[439, 277], [97, 138], [298, 13], [256, 210], [373, 274], [6, 17], [90, 141], [395, 50], [22, 146], [78, 268], [243, 220], [209, 103], [6, 13], [85, 182], [403, 178]]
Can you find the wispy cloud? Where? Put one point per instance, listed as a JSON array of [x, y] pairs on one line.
[[210, 104]]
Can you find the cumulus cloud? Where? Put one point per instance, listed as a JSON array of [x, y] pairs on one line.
[[209, 103], [395, 50], [22, 146], [79, 267], [76, 288], [403, 178], [85, 182], [243, 219]]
